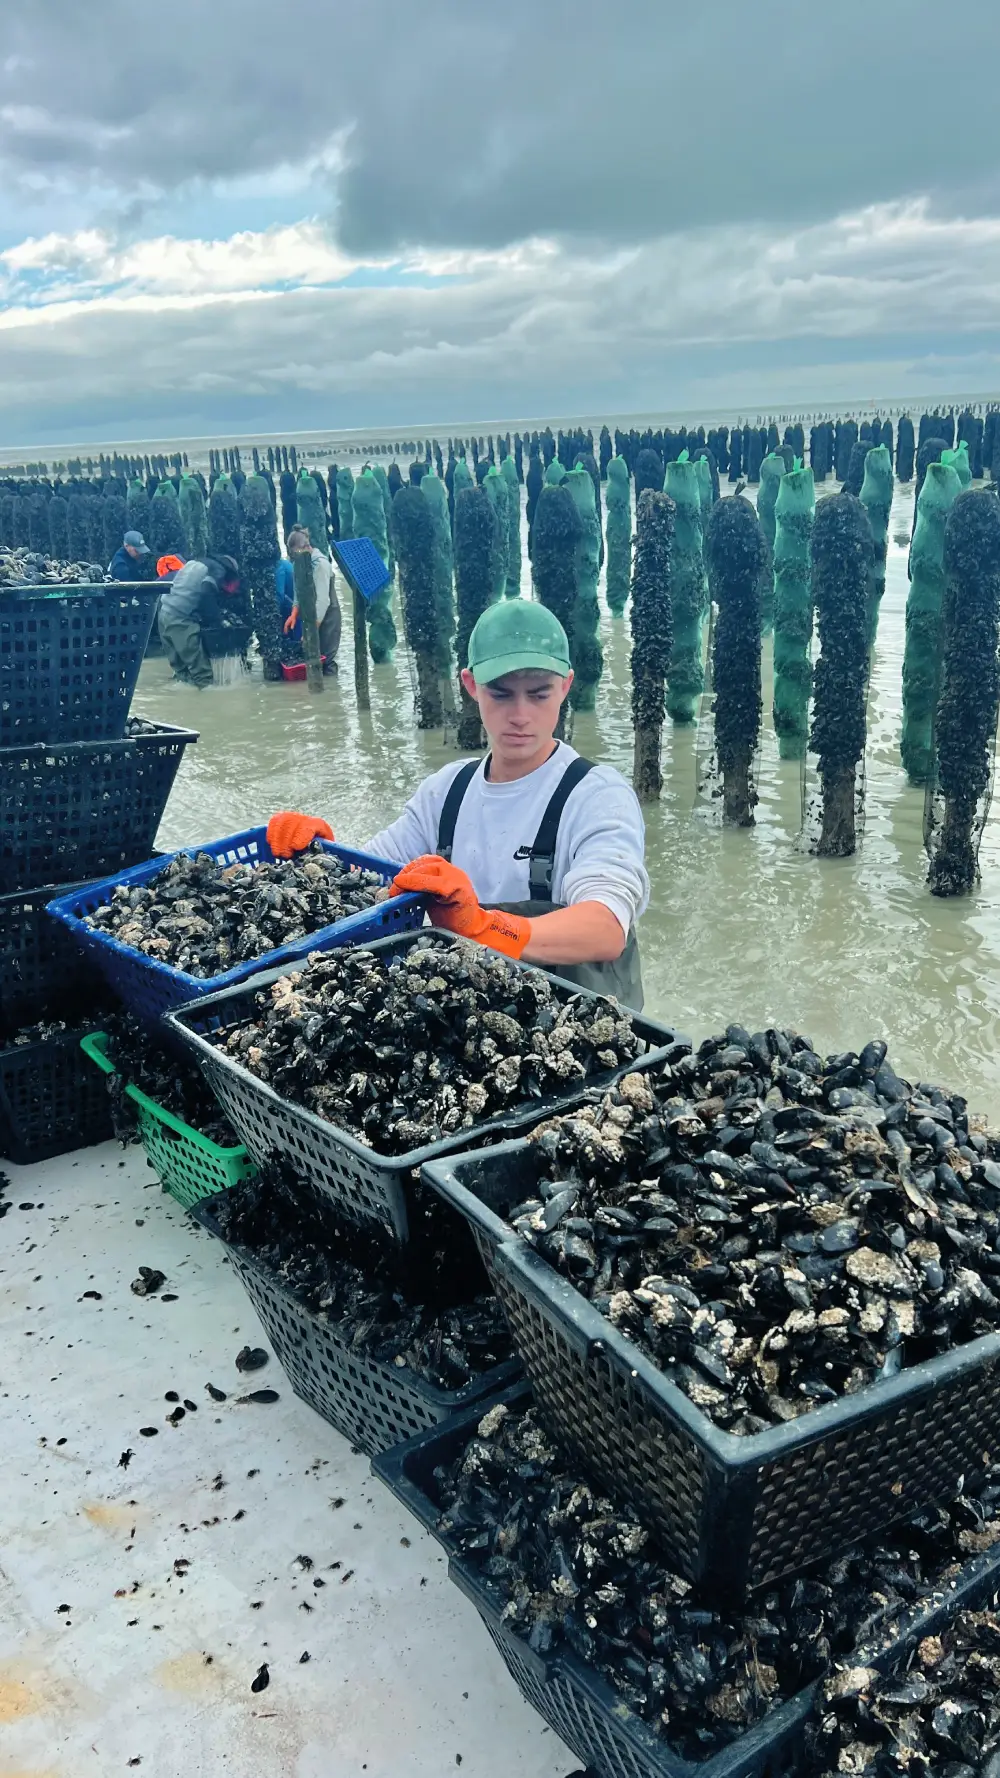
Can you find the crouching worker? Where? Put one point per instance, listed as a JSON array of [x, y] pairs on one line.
[[193, 601], [532, 850]]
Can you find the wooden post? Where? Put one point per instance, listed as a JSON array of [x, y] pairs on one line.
[[361, 683], [305, 599]]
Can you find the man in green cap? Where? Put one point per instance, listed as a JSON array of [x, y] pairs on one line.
[[532, 850]]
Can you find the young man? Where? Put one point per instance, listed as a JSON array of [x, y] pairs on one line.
[[190, 604], [533, 850], [128, 561], [328, 615]]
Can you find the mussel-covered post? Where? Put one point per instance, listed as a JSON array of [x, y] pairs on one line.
[[368, 520], [166, 533], [841, 561], [737, 556], [652, 633], [619, 535], [876, 498], [223, 518], [689, 593], [476, 550], [922, 648], [496, 490], [413, 536], [585, 646], [435, 493], [966, 724], [305, 599], [508, 470], [137, 510], [771, 472], [557, 532], [259, 553], [793, 514], [191, 502], [904, 448]]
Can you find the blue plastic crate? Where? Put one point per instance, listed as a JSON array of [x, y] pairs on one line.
[[149, 988], [362, 565]]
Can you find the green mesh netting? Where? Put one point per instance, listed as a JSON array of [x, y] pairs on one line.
[[166, 532], [435, 493], [508, 470], [191, 503], [223, 519], [554, 474], [496, 493], [585, 650], [841, 558], [922, 649], [772, 470], [311, 511], [737, 553], [368, 520], [618, 531], [651, 622], [966, 720], [958, 460], [793, 513], [689, 593], [876, 498], [706, 492], [345, 503], [383, 482], [259, 554]]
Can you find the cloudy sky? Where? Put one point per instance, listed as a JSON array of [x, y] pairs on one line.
[[225, 216]]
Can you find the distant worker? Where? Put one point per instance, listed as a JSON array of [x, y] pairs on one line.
[[124, 563], [168, 567], [192, 602], [328, 614]]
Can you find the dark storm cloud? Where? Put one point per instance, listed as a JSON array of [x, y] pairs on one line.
[[478, 125]]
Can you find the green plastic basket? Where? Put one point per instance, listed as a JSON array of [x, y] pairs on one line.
[[190, 1166]]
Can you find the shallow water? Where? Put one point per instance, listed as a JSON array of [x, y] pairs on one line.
[[742, 925]]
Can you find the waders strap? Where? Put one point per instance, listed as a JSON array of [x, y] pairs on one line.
[[452, 803]]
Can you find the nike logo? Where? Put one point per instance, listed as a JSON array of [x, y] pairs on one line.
[[522, 853]]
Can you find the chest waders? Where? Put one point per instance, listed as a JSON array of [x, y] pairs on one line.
[[623, 977]]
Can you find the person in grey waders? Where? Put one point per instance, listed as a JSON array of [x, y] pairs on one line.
[[532, 850], [193, 601]]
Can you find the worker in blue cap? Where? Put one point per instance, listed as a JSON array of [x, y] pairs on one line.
[[128, 561]]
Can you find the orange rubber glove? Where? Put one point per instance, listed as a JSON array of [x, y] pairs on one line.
[[289, 832], [455, 905]]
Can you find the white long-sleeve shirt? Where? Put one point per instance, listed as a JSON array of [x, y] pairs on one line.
[[600, 846]]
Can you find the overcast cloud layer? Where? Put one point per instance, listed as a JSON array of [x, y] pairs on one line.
[[224, 217]]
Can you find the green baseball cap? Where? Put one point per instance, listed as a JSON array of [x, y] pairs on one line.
[[515, 634]]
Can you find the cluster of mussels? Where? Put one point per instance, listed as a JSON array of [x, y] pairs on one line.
[[403, 1049], [566, 1565], [936, 1717], [773, 1228], [204, 918], [28, 567], [397, 1313], [175, 1084]]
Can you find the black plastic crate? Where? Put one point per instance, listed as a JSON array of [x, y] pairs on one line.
[[584, 1708], [374, 1405], [43, 971], [69, 660], [360, 1182], [84, 808], [733, 1513], [52, 1100]]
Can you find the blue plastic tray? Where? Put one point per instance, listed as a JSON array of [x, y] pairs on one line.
[[149, 988], [362, 565]]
